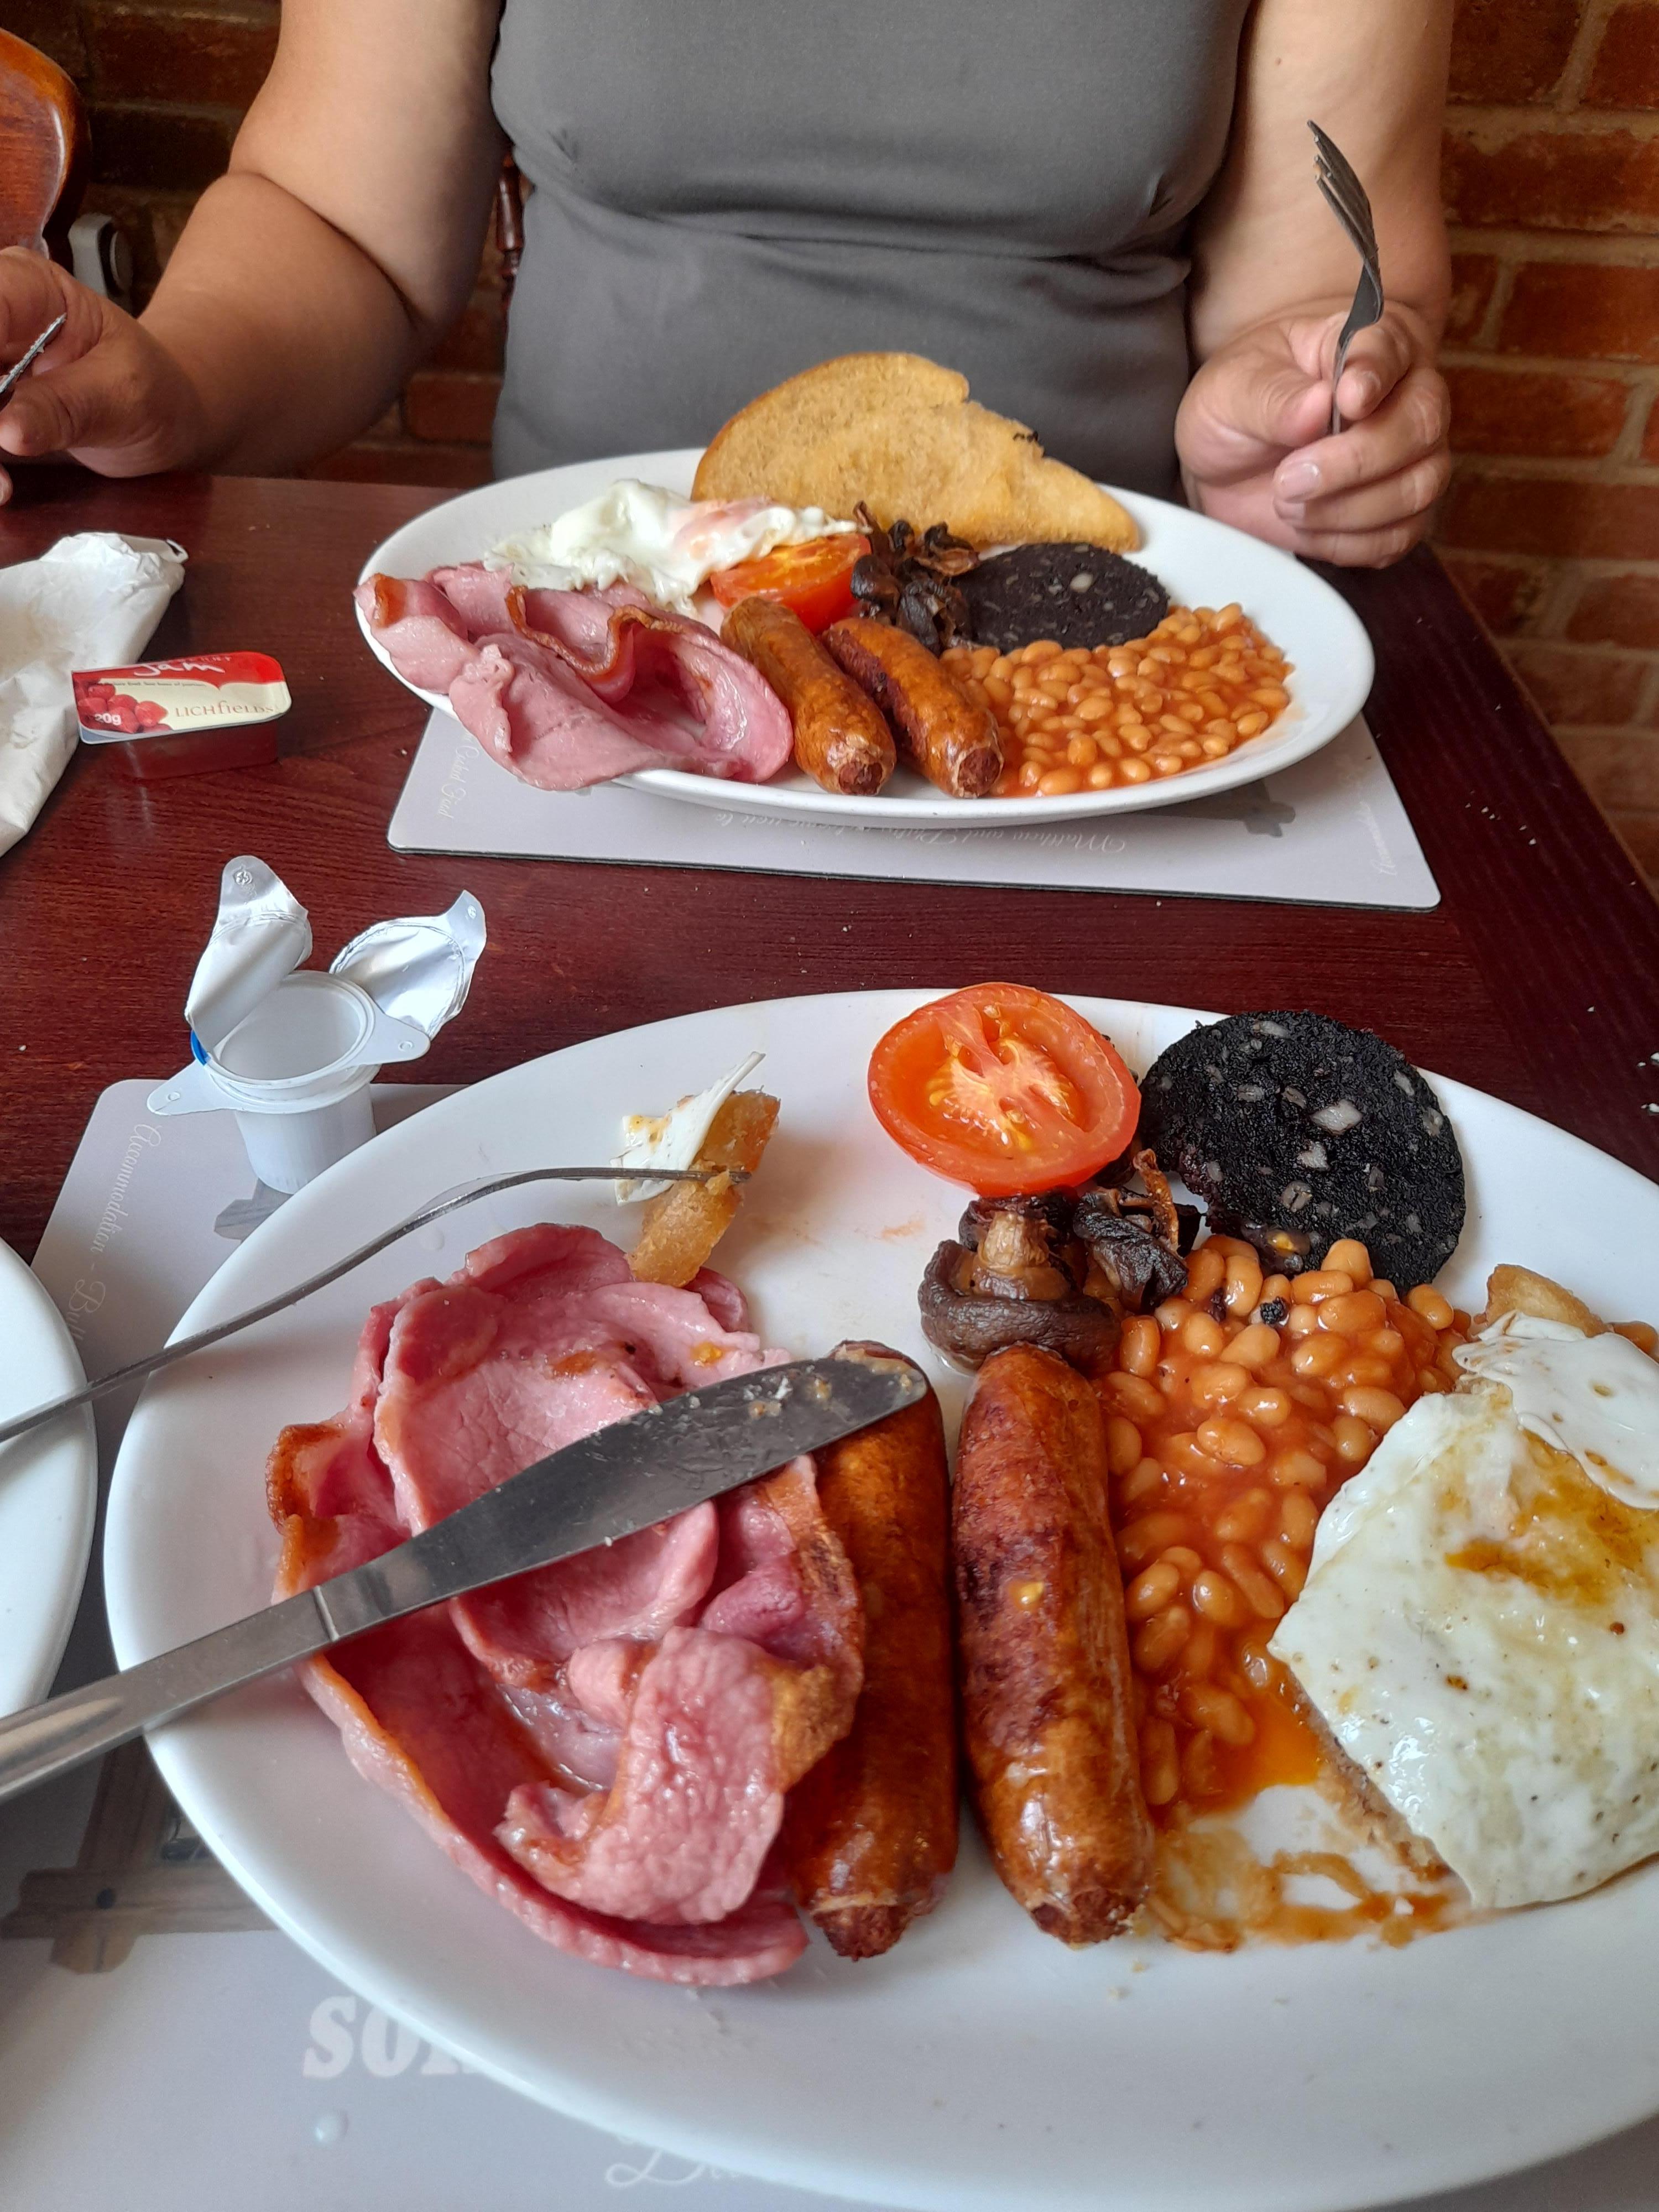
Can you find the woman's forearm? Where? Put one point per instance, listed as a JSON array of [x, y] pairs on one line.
[[1373, 74], [291, 337]]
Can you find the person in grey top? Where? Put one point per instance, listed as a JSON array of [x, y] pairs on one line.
[[1101, 211]]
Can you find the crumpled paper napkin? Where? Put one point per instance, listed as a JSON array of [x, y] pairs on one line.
[[91, 602]]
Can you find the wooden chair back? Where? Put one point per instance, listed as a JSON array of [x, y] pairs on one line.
[[43, 149]]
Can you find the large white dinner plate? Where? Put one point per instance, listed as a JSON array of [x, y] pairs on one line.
[[981, 2067], [1201, 563], [48, 1489]]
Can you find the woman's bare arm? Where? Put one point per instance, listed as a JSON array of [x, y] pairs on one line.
[[308, 280], [1273, 276]]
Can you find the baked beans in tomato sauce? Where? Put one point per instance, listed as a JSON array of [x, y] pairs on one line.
[[1235, 1413]]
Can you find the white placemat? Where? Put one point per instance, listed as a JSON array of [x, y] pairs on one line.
[[1330, 831], [207, 2070]]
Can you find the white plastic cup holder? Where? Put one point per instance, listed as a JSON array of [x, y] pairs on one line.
[[294, 1073]]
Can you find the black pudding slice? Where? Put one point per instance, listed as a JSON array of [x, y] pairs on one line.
[[1075, 594], [1296, 1130]]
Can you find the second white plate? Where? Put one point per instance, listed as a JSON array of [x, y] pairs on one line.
[[1199, 562]]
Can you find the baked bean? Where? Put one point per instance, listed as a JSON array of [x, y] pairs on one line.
[[1384, 1343], [1208, 1706], [1320, 1283], [1199, 1779], [1189, 1456], [1255, 1662], [1171, 1315], [1317, 1355], [1390, 1296], [1184, 1558], [1205, 1273], [1254, 1346], [1157, 1641], [1427, 1301], [1149, 1592], [1348, 1256], [1267, 1409], [1219, 1600], [1133, 771], [1201, 1335], [1365, 1371], [1298, 1517], [1146, 1476], [1300, 1321], [1234, 1442], [1143, 1539], [1243, 1284], [1160, 1761], [1378, 1409], [1298, 1469], [1355, 1313], [1287, 1569], [1261, 1594], [1198, 1652], [1275, 1288], [1122, 1444], [1353, 1439], [1139, 1347], [1215, 1385], [1244, 1521], [1141, 1401]]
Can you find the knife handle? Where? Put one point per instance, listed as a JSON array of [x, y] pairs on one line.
[[44, 1741]]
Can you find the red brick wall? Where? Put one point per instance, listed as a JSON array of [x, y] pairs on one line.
[[1552, 179], [1551, 526]]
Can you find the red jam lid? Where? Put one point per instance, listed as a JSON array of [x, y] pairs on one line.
[[198, 692]]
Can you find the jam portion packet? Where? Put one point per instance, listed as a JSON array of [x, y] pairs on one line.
[[178, 717]]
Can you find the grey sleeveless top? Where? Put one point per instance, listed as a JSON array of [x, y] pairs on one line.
[[726, 191]]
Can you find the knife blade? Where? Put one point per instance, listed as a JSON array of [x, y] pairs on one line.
[[624, 1477]]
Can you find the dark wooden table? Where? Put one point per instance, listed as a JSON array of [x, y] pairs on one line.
[[1536, 978]]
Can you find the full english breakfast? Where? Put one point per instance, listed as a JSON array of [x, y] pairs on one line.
[[874, 506], [1241, 1503]]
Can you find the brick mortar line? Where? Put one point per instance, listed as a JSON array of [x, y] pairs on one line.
[[1592, 568], [167, 111], [1470, 119], [1593, 471], [1530, 364], [1582, 55], [255, 14], [1509, 244]]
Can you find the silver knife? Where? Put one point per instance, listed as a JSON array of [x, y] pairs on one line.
[[622, 1477]]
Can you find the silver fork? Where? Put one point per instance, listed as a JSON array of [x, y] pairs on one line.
[[1346, 198], [448, 1203], [8, 382]]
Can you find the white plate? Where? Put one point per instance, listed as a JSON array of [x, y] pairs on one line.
[[980, 2067], [1200, 563], [48, 1489]]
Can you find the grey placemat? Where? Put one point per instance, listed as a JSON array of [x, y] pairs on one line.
[[1330, 831]]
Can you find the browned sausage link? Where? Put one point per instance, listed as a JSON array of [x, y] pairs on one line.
[[841, 737], [870, 1835], [1047, 1719], [940, 731]]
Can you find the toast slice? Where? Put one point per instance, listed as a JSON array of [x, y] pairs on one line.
[[901, 434]]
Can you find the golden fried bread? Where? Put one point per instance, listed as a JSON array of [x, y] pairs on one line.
[[901, 434]]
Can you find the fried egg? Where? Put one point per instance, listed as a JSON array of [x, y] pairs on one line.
[[1479, 1628], [665, 546]]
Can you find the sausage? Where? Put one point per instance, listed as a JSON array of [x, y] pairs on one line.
[[840, 736], [1048, 1725], [940, 731], [869, 1834]]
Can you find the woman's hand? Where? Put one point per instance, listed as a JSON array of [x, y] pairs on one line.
[[104, 390], [1253, 437]]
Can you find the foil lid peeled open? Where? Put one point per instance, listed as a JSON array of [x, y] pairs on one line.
[[416, 968]]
